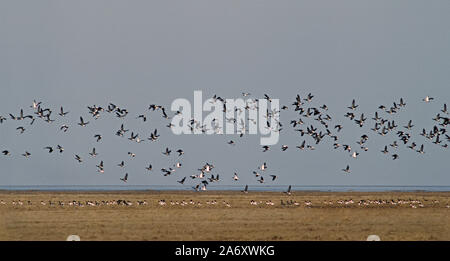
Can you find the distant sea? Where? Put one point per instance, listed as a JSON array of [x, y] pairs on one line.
[[274, 188]]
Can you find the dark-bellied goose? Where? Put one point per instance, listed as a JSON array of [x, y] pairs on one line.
[[149, 168], [154, 135], [444, 110], [263, 166], [143, 117], [93, 153], [167, 152], [82, 123], [182, 181], [78, 158], [261, 179], [347, 169], [421, 151], [62, 113], [353, 106], [64, 128], [288, 190], [21, 129], [427, 99], [125, 179], [409, 126], [98, 137], [100, 167]]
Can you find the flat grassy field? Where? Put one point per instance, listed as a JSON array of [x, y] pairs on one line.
[[214, 215]]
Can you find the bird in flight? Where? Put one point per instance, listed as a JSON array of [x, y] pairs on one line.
[[288, 190], [78, 158], [82, 123], [347, 169], [62, 113], [427, 99], [182, 181], [125, 179]]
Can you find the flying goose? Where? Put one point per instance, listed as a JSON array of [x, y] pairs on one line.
[[100, 167], [288, 190], [273, 177], [121, 164], [421, 151], [78, 158], [98, 137], [353, 106], [182, 180], [93, 153], [6, 152], [261, 179], [263, 166], [302, 146], [82, 123], [444, 110], [60, 148], [26, 154], [245, 189], [347, 169], [427, 99], [167, 152], [143, 117], [409, 126], [62, 113], [149, 168], [64, 128], [50, 149], [180, 152], [235, 177], [21, 129], [124, 179]]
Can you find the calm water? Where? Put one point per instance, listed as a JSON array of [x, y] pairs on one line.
[[226, 187]]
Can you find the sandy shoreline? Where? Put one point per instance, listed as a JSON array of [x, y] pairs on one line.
[[223, 215]]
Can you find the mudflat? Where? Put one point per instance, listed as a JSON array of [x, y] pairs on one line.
[[224, 215]]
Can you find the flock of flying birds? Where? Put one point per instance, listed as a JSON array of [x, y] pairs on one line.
[[321, 128]]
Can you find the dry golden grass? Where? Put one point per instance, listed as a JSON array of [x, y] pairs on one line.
[[430, 220]]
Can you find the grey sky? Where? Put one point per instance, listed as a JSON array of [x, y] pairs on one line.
[[134, 53]]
